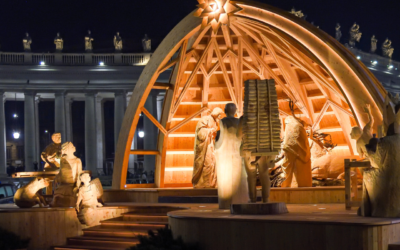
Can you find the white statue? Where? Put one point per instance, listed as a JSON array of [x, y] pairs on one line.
[[146, 43], [298, 13], [387, 48], [117, 42], [374, 43], [338, 32], [27, 41], [88, 42], [59, 42], [87, 203], [68, 177], [355, 35], [363, 136], [30, 195], [231, 174]]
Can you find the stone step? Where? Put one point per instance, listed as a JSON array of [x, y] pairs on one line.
[[112, 231], [73, 247], [394, 246], [114, 222], [102, 241], [162, 217]]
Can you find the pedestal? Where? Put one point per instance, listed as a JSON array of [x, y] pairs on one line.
[[271, 208]]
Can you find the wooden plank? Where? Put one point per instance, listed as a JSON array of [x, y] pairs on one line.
[[148, 185], [321, 115], [161, 85], [188, 119], [168, 65], [154, 120], [144, 152], [349, 113]]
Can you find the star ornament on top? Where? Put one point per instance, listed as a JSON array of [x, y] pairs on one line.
[[215, 12]]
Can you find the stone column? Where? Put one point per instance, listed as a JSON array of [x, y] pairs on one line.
[[100, 147], [60, 123], [68, 119], [3, 147], [119, 112], [37, 133], [90, 134], [132, 158], [150, 132], [29, 131]]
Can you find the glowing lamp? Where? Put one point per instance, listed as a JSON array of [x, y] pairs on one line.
[[42, 63], [15, 115], [141, 134], [374, 62], [16, 135], [390, 67], [358, 57], [101, 63], [46, 131]]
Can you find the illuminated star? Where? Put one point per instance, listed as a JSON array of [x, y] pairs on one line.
[[215, 12]]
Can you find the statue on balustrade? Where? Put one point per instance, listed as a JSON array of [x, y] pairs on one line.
[[363, 136], [355, 35], [68, 178], [374, 43], [231, 174], [87, 203], [297, 155], [387, 48], [338, 32], [204, 171], [118, 42], [381, 195], [146, 43], [27, 41], [51, 155], [88, 42], [59, 42], [298, 13]]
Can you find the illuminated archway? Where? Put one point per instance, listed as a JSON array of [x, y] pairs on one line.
[[327, 83]]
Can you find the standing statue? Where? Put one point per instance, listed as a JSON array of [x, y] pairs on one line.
[[297, 155], [68, 177], [387, 48], [51, 155], [363, 136], [204, 172], [88, 42], [146, 43], [232, 186], [59, 42], [87, 203], [374, 43], [27, 41], [355, 35], [117, 42], [338, 32]]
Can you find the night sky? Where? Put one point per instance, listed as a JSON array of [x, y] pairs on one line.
[[133, 18]]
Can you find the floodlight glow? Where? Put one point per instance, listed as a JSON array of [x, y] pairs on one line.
[[101, 63], [358, 57], [42, 63], [141, 134], [374, 62], [16, 135], [15, 115], [390, 67], [46, 131]]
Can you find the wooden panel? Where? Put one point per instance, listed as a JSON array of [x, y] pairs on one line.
[[178, 177], [181, 143], [179, 161], [188, 127]]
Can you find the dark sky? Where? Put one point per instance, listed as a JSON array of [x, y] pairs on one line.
[[133, 18]]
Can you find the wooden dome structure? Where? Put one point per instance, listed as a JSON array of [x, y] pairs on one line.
[[224, 43]]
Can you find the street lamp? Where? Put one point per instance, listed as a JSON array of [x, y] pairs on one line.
[[16, 135], [141, 134]]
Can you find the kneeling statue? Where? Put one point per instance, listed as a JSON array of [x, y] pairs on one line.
[[87, 203]]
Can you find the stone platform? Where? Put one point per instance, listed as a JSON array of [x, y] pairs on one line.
[[318, 226], [271, 208]]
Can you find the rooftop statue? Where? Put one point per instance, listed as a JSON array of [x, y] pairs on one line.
[[117, 42], [204, 171], [146, 43], [27, 41], [51, 155], [387, 48], [374, 42], [232, 187], [58, 41], [88, 42], [338, 32], [355, 35], [68, 178], [298, 13]]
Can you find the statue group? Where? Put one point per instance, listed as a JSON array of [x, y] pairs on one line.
[[73, 186]]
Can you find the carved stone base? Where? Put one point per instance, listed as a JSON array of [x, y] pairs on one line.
[[271, 208]]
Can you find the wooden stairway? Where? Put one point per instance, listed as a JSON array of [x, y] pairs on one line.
[[118, 233]]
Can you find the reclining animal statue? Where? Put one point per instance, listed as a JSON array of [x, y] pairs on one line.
[[29, 195]]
